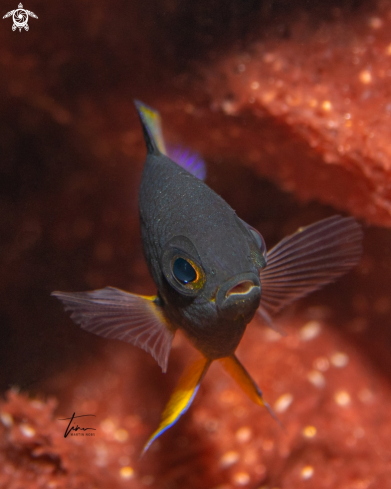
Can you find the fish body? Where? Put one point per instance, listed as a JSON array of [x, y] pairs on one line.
[[181, 217], [211, 270]]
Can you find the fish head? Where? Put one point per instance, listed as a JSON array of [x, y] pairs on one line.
[[211, 281]]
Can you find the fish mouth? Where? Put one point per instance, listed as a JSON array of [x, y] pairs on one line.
[[239, 296], [241, 288]]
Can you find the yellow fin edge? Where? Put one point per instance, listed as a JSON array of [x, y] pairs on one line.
[[153, 121], [237, 371], [181, 398]]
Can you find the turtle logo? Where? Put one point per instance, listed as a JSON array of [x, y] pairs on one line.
[[20, 17]]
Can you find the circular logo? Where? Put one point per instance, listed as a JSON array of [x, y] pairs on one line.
[[20, 19]]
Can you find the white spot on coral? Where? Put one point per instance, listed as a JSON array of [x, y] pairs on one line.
[[316, 378], [121, 435], [322, 364], [326, 105], [243, 434], [7, 419], [365, 77], [309, 431], [307, 472], [271, 335], [375, 23], [310, 330], [229, 458], [283, 402], [339, 359], [241, 478], [126, 473], [101, 455], [27, 430], [228, 107], [342, 398], [107, 426]]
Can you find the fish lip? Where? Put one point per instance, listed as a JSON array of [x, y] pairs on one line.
[[243, 287], [239, 295]]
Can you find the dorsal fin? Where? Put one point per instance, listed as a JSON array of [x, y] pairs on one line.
[[153, 135], [152, 128]]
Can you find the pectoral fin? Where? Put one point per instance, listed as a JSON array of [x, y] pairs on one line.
[[232, 365], [182, 397], [309, 259], [268, 320], [114, 313]]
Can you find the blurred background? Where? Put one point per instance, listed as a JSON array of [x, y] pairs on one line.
[[289, 103]]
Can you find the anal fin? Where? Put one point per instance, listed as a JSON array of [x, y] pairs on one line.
[[181, 398], [236, 370], [116, 314]]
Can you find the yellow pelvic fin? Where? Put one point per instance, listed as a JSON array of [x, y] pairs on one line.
[[181, 398], [153, 121], [232, 365]]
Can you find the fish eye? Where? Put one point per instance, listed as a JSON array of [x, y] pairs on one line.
[[183, 271], [259, 240], [182, 266]]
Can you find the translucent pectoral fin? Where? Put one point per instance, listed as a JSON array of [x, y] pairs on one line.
[[236, 370], [309, 259], [268, 320], [114, 313], [182, 397]]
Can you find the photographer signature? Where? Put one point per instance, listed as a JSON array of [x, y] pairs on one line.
[[71, 428]]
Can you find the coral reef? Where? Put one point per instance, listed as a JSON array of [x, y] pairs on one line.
[[293, 93]]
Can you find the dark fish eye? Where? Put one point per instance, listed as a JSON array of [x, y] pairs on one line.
[[184, 271]]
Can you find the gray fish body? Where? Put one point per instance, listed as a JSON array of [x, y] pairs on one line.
[[179, 213], [208, 265]]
